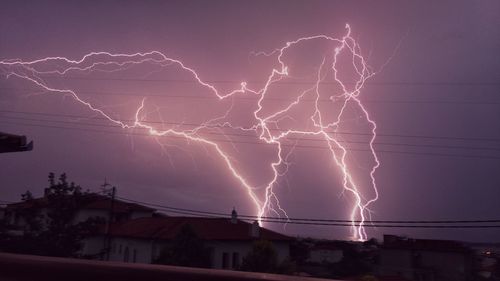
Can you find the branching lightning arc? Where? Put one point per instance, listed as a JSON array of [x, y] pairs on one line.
[[265, 125]]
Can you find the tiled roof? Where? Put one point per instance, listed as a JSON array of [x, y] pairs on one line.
[[119, 206], [166, 228], [28, 204]]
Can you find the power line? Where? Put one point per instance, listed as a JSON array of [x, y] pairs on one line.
[[386, 225], [246, 135], [367, 224], [309, 219], [259, 143], [440, 224], [271, 129], [330, 222]]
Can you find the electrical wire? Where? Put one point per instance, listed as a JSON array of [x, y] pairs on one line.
[[331, 222], [246, 135], [259, 143]]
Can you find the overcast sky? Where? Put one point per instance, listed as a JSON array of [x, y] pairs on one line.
[[438, 73]]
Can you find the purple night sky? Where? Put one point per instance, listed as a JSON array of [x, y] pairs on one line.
[[438, 73]]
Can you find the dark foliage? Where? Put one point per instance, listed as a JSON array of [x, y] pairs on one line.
[[52, 233], [262, 258], [186, 249]]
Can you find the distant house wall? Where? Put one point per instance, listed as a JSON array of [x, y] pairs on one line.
[[93, 247], [394, 262], [131, 250], [228, 254], [15, 218], [99, 206], [448, 265], [424, 265], [325, 255], [44, 215], [146, 251], [84, 214]]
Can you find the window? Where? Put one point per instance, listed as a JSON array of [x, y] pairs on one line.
[[157, 251], [211, 256], [134, 256], [236, 260], [126, 255], [225, 260]]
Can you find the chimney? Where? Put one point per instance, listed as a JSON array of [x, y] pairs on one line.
[[234, 217], [255, 230]]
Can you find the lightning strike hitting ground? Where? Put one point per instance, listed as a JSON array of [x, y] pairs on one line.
[[265, 125]]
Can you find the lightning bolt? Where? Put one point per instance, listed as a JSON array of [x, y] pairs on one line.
[[266, 126]]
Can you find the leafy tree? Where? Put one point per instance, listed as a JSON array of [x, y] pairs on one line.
[[64, 200], [186, 249], [55, 234], [262, 258]]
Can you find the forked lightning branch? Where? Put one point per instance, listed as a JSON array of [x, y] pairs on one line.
[[264, 122]]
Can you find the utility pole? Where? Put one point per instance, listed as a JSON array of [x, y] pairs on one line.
[[107, 240]]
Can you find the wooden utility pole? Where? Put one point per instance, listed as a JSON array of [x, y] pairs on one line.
[[107, 239]]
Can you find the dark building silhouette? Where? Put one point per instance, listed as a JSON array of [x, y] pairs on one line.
[[14, 143]]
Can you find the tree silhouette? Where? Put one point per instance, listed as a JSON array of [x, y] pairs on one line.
[[186, 249], [262, 258], [53, 233]]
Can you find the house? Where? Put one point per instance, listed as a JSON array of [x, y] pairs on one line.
[[93, 205], [138, 234], [229, 240], [425, 259]]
